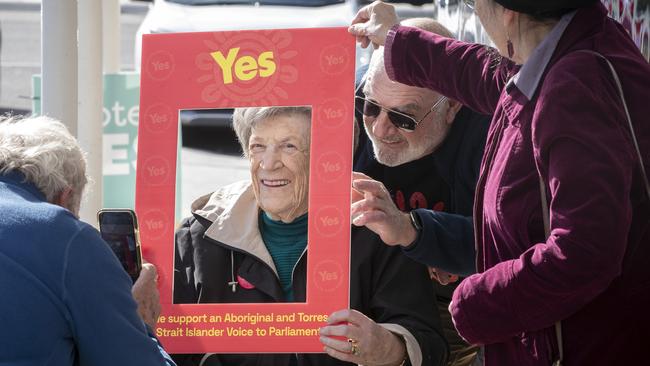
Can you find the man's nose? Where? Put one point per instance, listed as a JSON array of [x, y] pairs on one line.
[[271, 159], [383, 127]]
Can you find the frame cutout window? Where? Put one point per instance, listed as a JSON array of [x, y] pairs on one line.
[[308, 67]]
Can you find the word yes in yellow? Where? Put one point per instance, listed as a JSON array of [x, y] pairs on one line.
[[245, 67]]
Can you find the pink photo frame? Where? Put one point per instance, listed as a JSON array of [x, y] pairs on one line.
[[313, 67]]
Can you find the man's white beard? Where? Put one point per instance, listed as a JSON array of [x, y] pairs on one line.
[[395, 157]]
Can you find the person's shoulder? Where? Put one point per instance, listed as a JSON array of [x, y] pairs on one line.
[[50, 218], [578, 69]]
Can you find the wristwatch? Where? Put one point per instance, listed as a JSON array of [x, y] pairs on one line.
[[416, 221]]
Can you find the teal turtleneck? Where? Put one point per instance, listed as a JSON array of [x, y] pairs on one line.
[[285, 242]]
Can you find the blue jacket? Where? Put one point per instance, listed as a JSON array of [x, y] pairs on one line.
[[65, 298]]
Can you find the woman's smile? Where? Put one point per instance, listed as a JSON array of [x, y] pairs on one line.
[[273, 183]]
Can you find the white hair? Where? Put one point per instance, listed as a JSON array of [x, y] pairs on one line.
[[426, 24], [244, 119], [49, 157]]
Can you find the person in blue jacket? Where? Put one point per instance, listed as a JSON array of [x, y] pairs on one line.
[[66, 300]]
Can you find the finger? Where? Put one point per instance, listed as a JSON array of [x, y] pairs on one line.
[[337, 344], [363, 15], [351, 316], [148, 273], [369, 203], [356, 195], [339, 330], [359, 175], [359, 30], [343, 356], [340, 316], [370, 186], [370, 217], [365, 42]]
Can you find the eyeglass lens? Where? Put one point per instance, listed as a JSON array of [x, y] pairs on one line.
[[371, 109]]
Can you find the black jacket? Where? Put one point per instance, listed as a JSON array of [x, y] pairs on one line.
[[380, 282]]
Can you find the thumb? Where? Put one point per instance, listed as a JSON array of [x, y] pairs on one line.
[[148, 273], [359, 29]]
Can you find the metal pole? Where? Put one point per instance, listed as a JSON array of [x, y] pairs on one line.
[[59, 61], [111, 26], [91, 101]]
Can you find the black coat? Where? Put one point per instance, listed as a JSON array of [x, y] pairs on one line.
[[384, 285]]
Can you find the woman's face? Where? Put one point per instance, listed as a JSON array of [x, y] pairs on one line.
[[279, 154]]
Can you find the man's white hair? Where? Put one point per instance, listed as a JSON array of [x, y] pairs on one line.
[[43, 150], [427, 24]]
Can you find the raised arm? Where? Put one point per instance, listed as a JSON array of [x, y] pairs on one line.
[[104, 317]]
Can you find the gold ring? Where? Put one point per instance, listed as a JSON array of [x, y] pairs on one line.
[[354, 347]]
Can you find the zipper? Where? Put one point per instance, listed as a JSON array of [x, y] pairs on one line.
[[296, 265]]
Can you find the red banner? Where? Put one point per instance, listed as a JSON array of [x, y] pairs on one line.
[[312, 67]]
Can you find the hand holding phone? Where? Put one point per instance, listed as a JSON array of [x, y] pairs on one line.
[[119, 228], [146, 295]]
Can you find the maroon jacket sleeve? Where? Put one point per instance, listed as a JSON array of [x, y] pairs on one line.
[[583, 152], [473, 74]]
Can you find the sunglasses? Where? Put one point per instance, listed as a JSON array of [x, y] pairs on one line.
[[400, 120], [469, 3]]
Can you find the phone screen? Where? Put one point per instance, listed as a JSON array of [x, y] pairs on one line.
[[118, 230]]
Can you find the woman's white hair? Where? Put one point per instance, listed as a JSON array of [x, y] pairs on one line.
[[43, 150], [244, 119]]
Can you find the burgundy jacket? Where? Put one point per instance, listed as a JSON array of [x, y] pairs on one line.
[[563, 121]]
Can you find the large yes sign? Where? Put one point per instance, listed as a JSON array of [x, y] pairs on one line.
[[239, 69], [245, 67]]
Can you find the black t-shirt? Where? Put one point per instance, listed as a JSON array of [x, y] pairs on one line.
[[413, 185]]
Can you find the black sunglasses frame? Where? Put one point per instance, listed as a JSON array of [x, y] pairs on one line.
[[400, 120]]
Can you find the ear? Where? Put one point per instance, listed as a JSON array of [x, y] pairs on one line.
[[63, 199], [454, 107]]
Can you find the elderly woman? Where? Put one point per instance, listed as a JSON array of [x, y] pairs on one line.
[[247, 242]]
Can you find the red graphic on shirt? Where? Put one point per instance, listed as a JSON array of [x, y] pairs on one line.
[[416, 200], [440, 206]]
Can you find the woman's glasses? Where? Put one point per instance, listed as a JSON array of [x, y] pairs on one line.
[[469, 3], [400, 120]]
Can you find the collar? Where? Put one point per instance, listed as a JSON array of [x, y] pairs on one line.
[[447, 154], [17, 178], [528, 78], [234, 214]]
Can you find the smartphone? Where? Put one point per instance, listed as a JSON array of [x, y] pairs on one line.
[[119, 228]]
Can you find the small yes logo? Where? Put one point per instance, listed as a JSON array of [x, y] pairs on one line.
[[245, 67]]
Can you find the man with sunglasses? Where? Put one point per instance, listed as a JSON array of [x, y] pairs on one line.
[[426, 150]]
